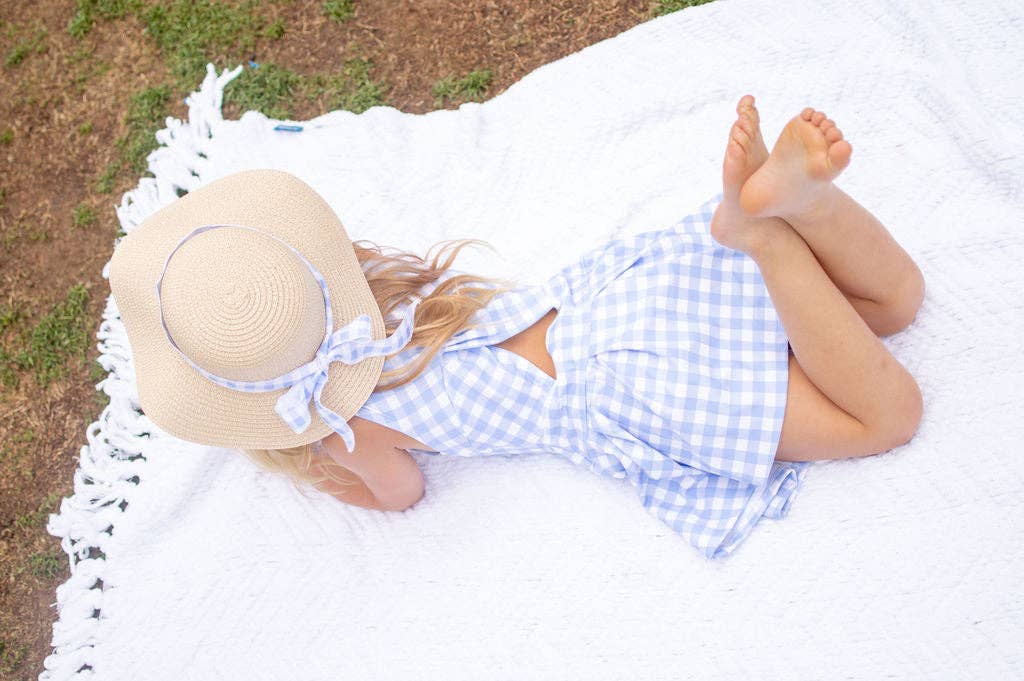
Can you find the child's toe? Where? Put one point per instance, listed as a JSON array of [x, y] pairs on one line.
[[740, 135], [839, 154]]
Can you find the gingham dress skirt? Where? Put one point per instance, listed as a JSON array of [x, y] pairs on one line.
[[671, 372]]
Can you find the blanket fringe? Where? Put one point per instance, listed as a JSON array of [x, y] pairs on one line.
[[111, 465]]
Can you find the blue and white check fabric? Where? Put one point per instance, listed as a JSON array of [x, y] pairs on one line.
[[350, 344], [671, 372]]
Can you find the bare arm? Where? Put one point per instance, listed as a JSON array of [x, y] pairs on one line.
[[377, 474]]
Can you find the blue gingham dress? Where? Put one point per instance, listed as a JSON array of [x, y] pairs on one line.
[[672, 370]]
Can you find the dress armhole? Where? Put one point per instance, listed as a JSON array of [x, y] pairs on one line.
[[415, 450]]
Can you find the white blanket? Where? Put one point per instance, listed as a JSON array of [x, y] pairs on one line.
[[905, 565]]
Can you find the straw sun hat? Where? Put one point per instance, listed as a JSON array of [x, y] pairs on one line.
[[245, 265]]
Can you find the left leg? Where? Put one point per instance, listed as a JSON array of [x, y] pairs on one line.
[[873, 272], [848, 395]]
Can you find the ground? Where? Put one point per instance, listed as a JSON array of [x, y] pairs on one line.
[[83, 86]]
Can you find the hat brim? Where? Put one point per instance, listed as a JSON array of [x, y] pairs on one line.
[[171, 392]]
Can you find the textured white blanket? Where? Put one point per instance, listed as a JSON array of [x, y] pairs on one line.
[[901, 566]]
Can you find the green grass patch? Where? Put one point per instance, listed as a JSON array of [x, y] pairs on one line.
[[339, 10], [16, 455], [8, 372], [3, 198], [45, 564], [352, 89], [6, 137], [60, 335], [470, 87], [189, 33], [11, 655], [106, 179], [97, 373], [87, 11], [20, 227], [192, 32], [83, 216], [669, 6], [38, 517], [9, 316], [274, 30], [270, 89], [273, 90], [85, 128], [26, 46], [146, 113]]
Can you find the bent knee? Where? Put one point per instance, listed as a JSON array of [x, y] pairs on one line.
[[904, 306], [902, 417]]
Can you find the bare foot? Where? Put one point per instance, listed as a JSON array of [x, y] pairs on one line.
[[808, 155], [744, 154]]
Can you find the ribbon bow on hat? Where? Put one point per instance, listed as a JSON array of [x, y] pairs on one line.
[[350, 344]]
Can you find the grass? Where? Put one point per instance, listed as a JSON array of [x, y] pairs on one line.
[[274, 30], [85, 67], [26, 46], [472, 86], [11, 655], [273, 89], [146, 113], [58, 336], [16, 454], [669, 6], [9, 316], [352, 89], [339, 10], [38, 517], [269, 89], [45, 564], [3, 198], [6, 137], [83, 216], [190, 33], [86, 12], [107, 178]]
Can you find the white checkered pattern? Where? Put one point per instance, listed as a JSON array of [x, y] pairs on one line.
[[672, 370]]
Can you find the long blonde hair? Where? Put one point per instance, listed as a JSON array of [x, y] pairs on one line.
[[396, 278]]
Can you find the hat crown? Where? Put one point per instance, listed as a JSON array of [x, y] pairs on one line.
[[251, 317], [242, 305]]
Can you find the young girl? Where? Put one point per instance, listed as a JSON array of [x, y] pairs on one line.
[[706, 362]]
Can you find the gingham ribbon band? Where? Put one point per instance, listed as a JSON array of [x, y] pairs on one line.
[[350, 344]]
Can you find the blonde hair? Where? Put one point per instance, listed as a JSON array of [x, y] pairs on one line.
[[396, 278]]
